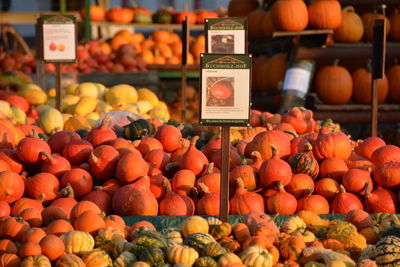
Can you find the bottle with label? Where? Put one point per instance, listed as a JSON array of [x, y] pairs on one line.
[[296, 84]]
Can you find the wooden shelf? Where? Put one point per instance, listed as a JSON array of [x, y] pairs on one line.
[[367, 2], [301, 33], [27, 17], [345, 51], [152, 26]]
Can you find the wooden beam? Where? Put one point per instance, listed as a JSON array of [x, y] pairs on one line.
[[346, 51], [300, 33], [367, 2], [28, 17]]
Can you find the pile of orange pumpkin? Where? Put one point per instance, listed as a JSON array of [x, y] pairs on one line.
[[162, 47], [283, 164], [143, 15]]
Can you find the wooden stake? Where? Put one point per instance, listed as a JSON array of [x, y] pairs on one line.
[[185, 50], [378, 69], [58, 86], [224, 192]]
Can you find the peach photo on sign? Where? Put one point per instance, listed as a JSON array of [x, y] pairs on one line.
[[61, 47], [53, 46]]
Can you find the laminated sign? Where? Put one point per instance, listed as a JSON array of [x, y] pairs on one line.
[[226, 35], [225, 89], [58, 37]]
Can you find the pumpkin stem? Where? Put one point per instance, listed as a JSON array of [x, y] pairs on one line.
[[203, 188], [274, 150], [280, 186], [170, 166], [336, 62], [210, 168], [98, 188], [308, 147], [180, 127], [243, 162], [295, 135], [193, 193], [93, 157], [165, 185], [194, 141], [136, 143], [309, 191], [239, 182], [41, 197], [269, 127], [256, 155], [349, 9], [130, 118], [342, 189], [46, 155], [118, 128], [34, 133], [367, 190], [85, 166]]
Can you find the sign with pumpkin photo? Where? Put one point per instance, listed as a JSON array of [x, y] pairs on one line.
[[225, 89], [58, 38], [226, 35]]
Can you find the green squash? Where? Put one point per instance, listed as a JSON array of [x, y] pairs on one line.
[[163, 17], [205, 262], [387, 251], [125, 259], [151, 239], [164, 265], [137, 129], [173, 236], [198, 240], [122, 246], [153, 256], [304, 162], [214, 250]]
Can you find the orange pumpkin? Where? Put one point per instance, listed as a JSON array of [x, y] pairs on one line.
[[395, 26], [325, 14], [97, 13], [393, 76], [254, 20], [351, 29], [289, 15], [121, 15], [241, 8], [368, 20], [181, 16], [362, 81], [334, 84], [201, 15]]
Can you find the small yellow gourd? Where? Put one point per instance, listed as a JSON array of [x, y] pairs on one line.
[[51, 121], [194, 224], [182, 254]]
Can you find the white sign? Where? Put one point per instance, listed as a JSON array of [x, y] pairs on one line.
[[225, 89], [59, 42]]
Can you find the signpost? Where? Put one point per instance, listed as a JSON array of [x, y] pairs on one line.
[[225, 101], [378, 69], [58, 42], [185, 51]]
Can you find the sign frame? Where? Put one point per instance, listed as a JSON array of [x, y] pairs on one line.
[[56, 19], [225, 121], [238, 22]]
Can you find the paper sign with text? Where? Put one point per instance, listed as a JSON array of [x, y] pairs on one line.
[[225, 89]]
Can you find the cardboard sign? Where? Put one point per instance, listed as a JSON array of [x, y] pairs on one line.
[[225, 89], [226, 35], [58, 38]]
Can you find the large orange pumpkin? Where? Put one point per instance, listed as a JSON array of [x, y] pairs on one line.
[[181, 16], [121, 15], [254, 20], [334, 84], [362, 86], [325, 14], [395, 26], [351, 29], [368, 20], [289, 15], [97, 13], [241, 8], [201, 15], [393, 76]]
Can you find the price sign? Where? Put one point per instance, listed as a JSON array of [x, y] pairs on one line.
[[226, 35], [58, 38], [225, 89]]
